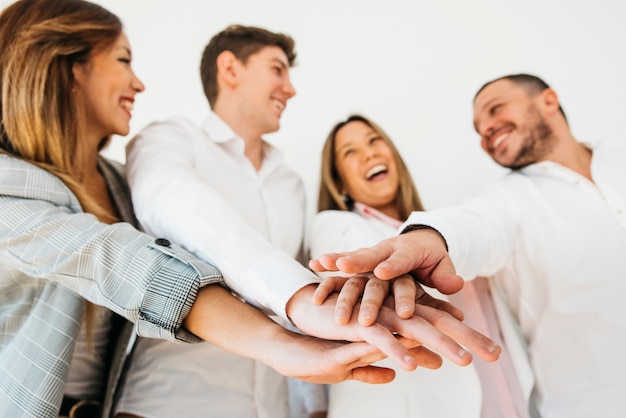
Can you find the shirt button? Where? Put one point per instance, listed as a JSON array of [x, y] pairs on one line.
[[162, 242]]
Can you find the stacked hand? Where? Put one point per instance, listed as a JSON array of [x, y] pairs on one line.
[[382, 304]]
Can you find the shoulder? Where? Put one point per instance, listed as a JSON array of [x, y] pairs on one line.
[[174, 134], [177, 127], [21, 179], [175, 122], [610, 151]]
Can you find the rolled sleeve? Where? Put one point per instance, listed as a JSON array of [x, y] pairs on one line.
[[171, 292], [115, 266]]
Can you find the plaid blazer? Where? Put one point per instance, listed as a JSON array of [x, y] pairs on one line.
[[52, 257]]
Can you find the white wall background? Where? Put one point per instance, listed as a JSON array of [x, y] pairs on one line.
[[411, 65]]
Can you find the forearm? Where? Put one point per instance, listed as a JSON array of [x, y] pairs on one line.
[[223, 320], [220, 318]]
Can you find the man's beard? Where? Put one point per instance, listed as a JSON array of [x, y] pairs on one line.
[[537, 144]]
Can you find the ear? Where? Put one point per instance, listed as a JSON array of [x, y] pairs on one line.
[[549, 101], [79, 71], [227, 64]]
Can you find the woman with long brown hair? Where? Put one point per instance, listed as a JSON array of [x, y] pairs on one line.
[[73, 264]]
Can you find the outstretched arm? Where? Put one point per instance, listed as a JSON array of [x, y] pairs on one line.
[[223, 320]]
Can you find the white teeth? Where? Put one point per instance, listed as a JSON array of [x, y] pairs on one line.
[[127, 104], [375, 170], [499, 140], [279, 105]]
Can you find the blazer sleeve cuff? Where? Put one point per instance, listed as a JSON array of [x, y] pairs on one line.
[[171, 292]]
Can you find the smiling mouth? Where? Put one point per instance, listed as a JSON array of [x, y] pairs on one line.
[[499, 136], [127, 104], [499, 140], [376, 171], [279, 105]]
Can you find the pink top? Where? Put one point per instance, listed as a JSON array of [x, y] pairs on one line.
[[502, 395]]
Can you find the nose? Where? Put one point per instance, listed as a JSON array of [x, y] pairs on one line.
[[136, 84], [370, 152], [485, 127], [288, 88]]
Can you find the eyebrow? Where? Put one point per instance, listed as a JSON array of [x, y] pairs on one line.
[[126, 48], [347, 144], [371, 133], [281, 62]]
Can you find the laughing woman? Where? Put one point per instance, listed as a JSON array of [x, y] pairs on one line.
[[366, 192]]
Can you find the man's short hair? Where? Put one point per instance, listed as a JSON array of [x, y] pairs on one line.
[[531, 83], [242, 41]]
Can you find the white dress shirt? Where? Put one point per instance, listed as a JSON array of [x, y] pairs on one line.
[[194, 186], [557, 245]]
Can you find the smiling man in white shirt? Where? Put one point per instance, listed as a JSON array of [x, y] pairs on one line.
[[251, 201], [552, 232]]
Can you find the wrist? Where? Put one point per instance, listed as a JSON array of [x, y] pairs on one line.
[[297, 302], [422, 227]]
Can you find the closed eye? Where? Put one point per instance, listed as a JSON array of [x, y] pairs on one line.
[[374, 139], [494, 109]]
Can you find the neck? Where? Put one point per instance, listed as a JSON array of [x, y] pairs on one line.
[[253, 141], [390, 210], [86, 163], [575, 156]]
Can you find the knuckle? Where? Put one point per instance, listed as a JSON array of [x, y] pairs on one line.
[[370, 302], [353, 284], [377, 285]]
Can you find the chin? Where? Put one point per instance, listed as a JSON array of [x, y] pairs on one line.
[[273, 127], [122, 131]]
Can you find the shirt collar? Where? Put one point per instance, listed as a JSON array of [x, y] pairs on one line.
[[219, 132], [371, 213]]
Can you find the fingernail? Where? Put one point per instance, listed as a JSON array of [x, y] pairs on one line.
[[462, 353], [408, 359], [492, 348], [365, 314], [405, 307], [341, 313]]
